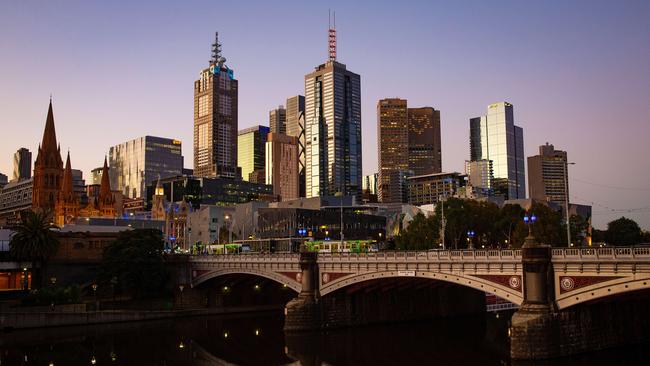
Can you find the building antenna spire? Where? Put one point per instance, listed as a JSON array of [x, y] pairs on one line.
[[216, 51], [332, 36]]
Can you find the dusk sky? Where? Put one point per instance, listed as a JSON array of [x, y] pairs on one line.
[[577, 73]]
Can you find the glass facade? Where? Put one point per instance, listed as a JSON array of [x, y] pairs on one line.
[[495, 137], [136, 163], [333, 131], [251, 149], [211, 191]]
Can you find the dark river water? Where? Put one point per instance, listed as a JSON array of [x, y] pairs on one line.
[[259, 340]]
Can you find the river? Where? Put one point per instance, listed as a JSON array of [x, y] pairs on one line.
[[259, 340]]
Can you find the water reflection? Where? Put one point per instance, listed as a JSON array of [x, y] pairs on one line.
[[259, 340]]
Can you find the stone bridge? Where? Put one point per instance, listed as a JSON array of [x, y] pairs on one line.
[[546, 282], [579, 275]]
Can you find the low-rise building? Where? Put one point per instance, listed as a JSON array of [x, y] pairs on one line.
[[15, 198], [430, 188]]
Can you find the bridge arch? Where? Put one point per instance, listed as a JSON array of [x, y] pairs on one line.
[[279, 278], [601, 290], [470, 281]]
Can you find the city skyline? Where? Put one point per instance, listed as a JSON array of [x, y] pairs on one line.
[[565, 67]]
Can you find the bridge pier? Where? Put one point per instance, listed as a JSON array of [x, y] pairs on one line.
[[305, 312], [532, 335], [540, 331]]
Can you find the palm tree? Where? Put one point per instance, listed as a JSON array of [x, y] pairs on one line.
[[34, 241]]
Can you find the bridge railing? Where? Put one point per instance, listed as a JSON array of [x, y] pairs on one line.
[[618, 253], [430, 255], [247, 257]]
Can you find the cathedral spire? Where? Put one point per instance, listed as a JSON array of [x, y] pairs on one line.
[[67, 178], [49, 136], [105, 187]]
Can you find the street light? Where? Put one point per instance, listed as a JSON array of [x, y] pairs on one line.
[[95, 294], [181, 288], [470, 235], [529, 220], [566, 201]]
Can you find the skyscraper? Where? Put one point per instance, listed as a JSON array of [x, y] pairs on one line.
[[282, 165], [278, 120], [135, 164], [251, 149], [424, 151], [547, 175], [22, 165], [393, 134], [333, 129], [296, 127], [215, 119], [409, 144], [496, 137]]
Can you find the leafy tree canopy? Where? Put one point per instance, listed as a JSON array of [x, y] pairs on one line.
[[623, 231], [134, 264]]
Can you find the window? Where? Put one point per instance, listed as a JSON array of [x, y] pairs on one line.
[[203, 105]]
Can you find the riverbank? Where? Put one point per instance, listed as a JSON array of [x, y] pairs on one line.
[[25, 320]]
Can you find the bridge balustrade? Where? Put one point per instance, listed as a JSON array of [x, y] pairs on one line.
[[618, 253]]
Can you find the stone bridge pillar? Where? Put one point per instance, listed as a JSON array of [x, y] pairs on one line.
[[532, 329], [305, 311]]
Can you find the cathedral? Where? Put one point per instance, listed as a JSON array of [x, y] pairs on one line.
[[53, 190]]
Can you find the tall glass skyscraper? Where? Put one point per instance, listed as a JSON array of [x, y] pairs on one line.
[[136, 163], [251, 145], [215, 119], [495, 137], [333, 131]]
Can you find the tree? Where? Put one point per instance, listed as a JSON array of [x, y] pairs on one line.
[[134, 264], [34, 241], [509, 217], [623, 231], [420, 234], [579, 226]]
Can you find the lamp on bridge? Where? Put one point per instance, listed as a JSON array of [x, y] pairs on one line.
[[470, 236], [529, 221]]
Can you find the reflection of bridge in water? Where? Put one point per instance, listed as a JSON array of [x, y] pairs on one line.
[[538, 278]]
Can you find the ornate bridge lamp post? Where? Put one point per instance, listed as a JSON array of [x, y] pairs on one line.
[[470, 235], [532, 330]]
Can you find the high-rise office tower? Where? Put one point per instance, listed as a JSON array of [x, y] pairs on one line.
[[496, 137], [278, 120], [409, 144], [135, 164], [333, 129], [424, 151], [282, 165], [215, 119], [547, 175], [251, 144], [296, 127], [393, 134], [22, 165]]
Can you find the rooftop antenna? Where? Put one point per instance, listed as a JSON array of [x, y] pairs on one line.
[[332, 35], [216, 52]]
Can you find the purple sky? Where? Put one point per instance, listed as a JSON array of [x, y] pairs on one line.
[[578, 74]]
